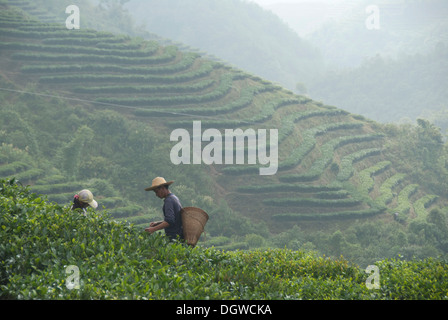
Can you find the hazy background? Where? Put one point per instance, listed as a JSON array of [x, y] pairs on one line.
[[405, 25], [323, 48], [306, 16]]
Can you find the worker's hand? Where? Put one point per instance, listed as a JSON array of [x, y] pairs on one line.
[[156, 226], [153, 224], [150, 230]]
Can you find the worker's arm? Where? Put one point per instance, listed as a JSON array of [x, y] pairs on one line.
[[153, 227]]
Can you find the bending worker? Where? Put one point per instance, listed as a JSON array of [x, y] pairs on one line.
[[172, 223], [83, 199]]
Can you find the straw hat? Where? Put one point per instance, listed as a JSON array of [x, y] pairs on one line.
[[87, 197], [157, 182]]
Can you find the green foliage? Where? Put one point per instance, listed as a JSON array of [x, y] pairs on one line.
[[290, 187], [346, 170], [404, 205], [334, 214], [312, 202], [412, 279], [70, 154], [365, 176], [247, 96], [134, 77], [421, 204], [227, 222], [328, 150], [309, 139], [426, 154], [168, 56], [40, 240], [12, 168], [184, 64], [221, 90], [146, 89], [15, 130], [80, 50], [386, 188], [67, 133]]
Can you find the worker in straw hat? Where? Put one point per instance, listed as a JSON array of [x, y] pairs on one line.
[[172, 223], [83, 199]]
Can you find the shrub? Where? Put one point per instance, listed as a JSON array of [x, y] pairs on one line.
[[421, 204], [203, 70], [404, 204], [346, 170], [40, 240], [365, 176], [387, 186]]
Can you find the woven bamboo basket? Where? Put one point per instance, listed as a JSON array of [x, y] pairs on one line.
[[193, 224]]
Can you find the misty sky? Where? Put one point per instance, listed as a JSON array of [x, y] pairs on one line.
[[305, 16], [269, 2]]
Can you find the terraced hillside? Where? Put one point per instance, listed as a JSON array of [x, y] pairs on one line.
[[332, 164]]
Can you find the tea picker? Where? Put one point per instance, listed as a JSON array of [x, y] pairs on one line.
[[82, 200], [185, 224]]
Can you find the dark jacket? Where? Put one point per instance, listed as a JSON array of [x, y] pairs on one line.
[[171, 212]]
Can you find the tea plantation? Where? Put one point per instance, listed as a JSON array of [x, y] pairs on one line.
[[95, 109], [50, 252], [160, 88]]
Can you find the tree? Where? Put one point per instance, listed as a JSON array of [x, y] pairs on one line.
[[437, 229], [69, 155]]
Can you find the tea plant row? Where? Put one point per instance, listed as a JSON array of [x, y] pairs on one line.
[[184, 64], [346, 166], [202, 71], [168, 55], [149, 89], [218, 92], [365, 176], [71, 49]]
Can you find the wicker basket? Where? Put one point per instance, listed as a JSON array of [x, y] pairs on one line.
[[193, 223]]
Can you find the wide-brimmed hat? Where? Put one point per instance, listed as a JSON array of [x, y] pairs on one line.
[[87, 197], [157, 182]]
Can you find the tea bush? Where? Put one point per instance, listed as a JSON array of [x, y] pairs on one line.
[[365, 176], [421, 204], [40, 240], [386, 188]]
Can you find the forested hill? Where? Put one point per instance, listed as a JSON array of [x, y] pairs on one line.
[[88, 109], [234, 30]]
